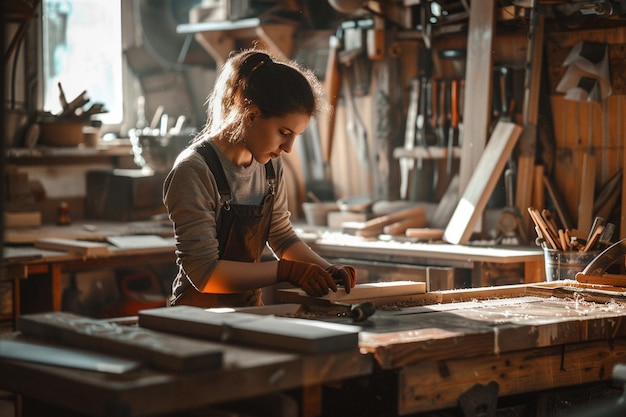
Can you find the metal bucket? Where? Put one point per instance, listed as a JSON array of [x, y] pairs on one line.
[[564, 265]]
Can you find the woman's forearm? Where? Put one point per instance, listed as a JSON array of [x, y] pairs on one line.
[[300, 251], [233, 276]]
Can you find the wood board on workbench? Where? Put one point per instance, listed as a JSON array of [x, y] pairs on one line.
[[482, 183], [168, 352], [287, 333], [371, 291]]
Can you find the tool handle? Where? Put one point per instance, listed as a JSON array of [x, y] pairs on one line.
[[434, 95], [454, 103], [442, 103]]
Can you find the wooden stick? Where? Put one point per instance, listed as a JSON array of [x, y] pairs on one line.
[[598, 221], [538, 220], [563, 240], [550, 223], [591, 242]]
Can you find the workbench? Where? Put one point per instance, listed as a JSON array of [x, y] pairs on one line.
[[22, 260], [433, 262], [441, 351]]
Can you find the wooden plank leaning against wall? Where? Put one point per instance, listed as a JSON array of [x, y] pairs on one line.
[[581, 127]]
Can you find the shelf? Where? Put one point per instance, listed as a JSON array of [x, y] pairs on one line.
[[80, 155], [218, 38], [429, 152]]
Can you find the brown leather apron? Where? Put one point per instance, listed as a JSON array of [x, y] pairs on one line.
[[242, 232]]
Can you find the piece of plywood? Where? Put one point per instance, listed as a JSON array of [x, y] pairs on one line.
[[79, 247], [168, 352], [481, 184], [376, 226], [369, 291], [36, 352], [268, 331]]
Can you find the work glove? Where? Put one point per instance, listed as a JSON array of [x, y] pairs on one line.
[[310, 277], [343, 275]]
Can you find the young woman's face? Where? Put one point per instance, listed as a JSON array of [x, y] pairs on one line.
[[267, 138]]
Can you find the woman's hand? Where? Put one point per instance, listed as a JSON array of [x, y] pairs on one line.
[[312, 278], [343, 275]]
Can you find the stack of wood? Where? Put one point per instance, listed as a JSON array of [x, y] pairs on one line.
[[395, 223], [550, 236]]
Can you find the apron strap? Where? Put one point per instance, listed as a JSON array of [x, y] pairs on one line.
[[212, 160]]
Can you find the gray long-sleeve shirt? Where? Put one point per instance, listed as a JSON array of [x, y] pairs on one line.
[[192, 201]]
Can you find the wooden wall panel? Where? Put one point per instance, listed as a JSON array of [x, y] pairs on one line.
[[581, 127], [575, 132]]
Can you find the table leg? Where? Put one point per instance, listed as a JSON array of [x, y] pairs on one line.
[[57, 287]]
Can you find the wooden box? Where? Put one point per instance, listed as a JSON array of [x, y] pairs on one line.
[[123, 195]]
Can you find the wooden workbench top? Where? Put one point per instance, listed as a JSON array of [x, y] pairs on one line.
[[92, 230], [335, 244], [524, 337]]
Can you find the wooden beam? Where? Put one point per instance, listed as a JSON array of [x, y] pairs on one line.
[[526, 157], [478, 86], [484, 178]]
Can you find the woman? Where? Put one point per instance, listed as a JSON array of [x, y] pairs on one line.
[[226, 193]]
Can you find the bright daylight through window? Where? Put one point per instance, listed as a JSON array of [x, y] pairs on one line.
[[82, 51]]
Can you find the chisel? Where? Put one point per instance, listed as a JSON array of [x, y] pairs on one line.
[[407, 164], [454, 122]]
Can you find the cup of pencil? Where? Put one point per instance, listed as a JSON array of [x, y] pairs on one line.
[[566, 252]]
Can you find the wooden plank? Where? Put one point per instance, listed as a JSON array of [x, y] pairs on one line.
[[587, 183], [79, 247], [164, 351], [483, 181], [268, 331], [437, 385], [37, 352], [150, 392], [376, 226], [532, 86], [369, 291], [605, 279], [478, 87]]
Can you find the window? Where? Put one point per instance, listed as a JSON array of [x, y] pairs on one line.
[[82, 50]]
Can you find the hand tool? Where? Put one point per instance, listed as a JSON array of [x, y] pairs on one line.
[[434, 107], [607, 234], [420, 121], [441, 112], [510, 222], [430, 137], [424, 174], [407, 164], [454, 122], [595, 270], [461, 103], [505, 82]]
